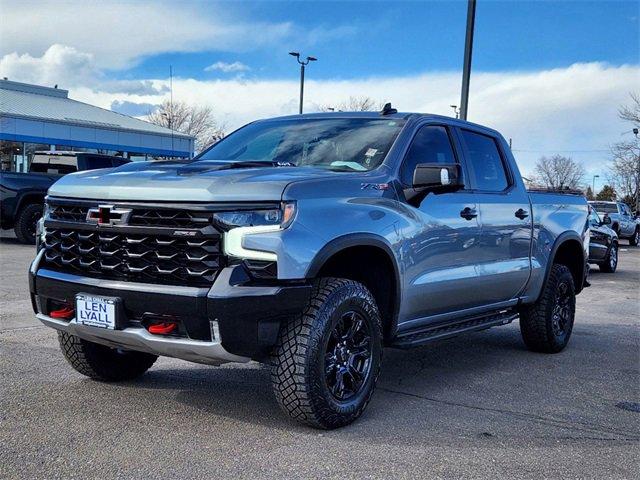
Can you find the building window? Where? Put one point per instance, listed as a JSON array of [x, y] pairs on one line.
[[12, 156]]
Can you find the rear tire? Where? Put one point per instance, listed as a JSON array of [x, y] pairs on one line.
[[635, 239], [546, 325], [326, 362], [610, 262], [101, 362], [25, 227]]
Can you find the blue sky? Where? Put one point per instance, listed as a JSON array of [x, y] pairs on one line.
[[551, 75], [418, 36]]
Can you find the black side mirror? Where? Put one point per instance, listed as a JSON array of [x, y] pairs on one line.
[[606, 220], [438, 177]]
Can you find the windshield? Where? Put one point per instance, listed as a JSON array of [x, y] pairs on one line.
[[594, 219], [603, 207], [342, 144]]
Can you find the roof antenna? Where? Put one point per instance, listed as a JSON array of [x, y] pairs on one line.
[[388, 109]]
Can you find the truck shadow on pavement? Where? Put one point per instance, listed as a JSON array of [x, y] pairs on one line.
[[244, 392]]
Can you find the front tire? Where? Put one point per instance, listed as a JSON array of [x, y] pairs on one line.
[[611, 260], [546, 325], [25, 227], [635, 239], [101, 362], [326, 362]]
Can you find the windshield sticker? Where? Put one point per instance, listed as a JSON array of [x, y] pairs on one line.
[[371, 152]]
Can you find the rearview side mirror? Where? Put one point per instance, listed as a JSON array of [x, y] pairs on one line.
[[606, 220], [437, 177]]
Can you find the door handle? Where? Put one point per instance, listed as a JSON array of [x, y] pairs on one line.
[[522, 214], [469, 213]]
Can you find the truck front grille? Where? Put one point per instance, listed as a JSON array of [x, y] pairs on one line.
[[140, 216], [150, 258]]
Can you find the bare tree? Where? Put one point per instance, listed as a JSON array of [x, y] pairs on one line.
[[355, 104], [558, 172], [624, 172], [189, 119]]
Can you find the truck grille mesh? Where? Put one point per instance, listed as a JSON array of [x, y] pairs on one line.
[[144, 217], [150, 258]]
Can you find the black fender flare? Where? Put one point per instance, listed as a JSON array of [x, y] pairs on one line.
[[563, 238], [28, 198], [359, 240]]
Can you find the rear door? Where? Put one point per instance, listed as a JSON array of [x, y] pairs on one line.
[[503, 261], [440, 255], [627, 224]]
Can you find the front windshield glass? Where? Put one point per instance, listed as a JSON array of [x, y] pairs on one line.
[[603, 207], [342, 144]]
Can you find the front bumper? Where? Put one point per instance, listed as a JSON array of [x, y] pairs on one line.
[[235, 320]]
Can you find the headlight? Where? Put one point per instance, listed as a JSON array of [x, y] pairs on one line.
[[239, 224], [41, 233], [276, 217]]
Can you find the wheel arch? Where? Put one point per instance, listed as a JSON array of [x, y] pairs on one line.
[[29, 198], [568, 250], [360, 256]]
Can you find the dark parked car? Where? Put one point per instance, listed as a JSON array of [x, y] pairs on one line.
[[603, 245], [22, 194]]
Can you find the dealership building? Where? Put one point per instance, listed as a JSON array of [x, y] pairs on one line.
[[35, 118]]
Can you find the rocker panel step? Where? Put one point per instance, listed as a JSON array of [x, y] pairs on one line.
[[450, 329]]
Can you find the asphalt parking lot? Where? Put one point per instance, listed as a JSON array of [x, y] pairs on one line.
[[478, 406]]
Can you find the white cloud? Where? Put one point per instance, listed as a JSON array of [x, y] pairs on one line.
[[69, 68], [59, 64], [119, 32], [571, 110], [228, 67]]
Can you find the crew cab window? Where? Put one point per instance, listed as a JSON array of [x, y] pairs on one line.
[[430, 145], [485, 161], [625, 210]]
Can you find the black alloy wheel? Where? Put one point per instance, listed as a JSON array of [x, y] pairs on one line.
[[348, 356]]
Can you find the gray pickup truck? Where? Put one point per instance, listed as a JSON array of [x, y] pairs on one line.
[[620, 219], [308, 243]]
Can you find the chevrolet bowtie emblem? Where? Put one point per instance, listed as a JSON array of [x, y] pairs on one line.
[[108, 215]]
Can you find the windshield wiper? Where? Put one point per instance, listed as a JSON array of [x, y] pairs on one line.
[[255, 163]]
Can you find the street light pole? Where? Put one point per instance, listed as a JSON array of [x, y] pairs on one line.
[[466, 68], [593, 185], [303, 64]]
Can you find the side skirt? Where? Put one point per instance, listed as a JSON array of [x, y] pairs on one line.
[[452, 328]]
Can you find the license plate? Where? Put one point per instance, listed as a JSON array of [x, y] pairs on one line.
[[96, 311]]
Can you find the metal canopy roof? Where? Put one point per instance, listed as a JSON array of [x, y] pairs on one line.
[[44, 106]]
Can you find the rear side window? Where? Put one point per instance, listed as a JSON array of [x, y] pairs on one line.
[[485, 161], [430, 145], [93, 163]]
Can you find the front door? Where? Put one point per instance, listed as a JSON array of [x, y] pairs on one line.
[[440, 255], [503, 261]]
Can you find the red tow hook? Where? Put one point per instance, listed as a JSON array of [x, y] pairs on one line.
[[66, 313], [163, 328]]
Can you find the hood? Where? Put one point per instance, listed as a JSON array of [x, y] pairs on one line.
[[186, 182]]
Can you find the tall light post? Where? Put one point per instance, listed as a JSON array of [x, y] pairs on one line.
[[466, 67], [593, 185], [303, 64]]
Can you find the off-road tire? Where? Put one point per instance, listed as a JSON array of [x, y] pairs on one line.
[[635, 238], [537, 320], [610, 262], [25, 227], [298, 365], [101, 362]]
